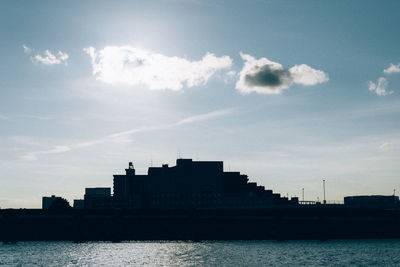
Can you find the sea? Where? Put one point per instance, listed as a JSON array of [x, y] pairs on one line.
[[207, 253]]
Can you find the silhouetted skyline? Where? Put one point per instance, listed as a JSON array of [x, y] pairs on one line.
[[288, 92]]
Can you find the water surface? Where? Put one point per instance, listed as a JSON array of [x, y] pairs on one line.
[[227, 253]]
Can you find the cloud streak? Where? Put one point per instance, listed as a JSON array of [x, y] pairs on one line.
[[122, 136], [43, 118], [26, 116], [139, 67], [47, 58], [269, 77]]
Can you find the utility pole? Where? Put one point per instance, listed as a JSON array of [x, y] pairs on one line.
[[323, 181]]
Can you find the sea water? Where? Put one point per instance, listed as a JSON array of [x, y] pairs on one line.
[[208, 253]]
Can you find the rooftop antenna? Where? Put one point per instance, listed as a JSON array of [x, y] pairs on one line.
[[394, 191], [323, 182], [179, 154]]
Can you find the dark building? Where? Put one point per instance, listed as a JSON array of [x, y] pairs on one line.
[[191, 184], [79, 204], [98, 198], [48, 201], [374, 201]]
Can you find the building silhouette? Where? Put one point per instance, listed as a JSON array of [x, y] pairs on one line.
[[373, 201], [191, 184], [98, 197], [79, 204], [48, 201]]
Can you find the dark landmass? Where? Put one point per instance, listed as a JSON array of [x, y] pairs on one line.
[[320, 222]]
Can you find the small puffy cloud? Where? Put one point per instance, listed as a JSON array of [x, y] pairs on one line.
[[47, 57], [27, 50], [379, 87], [268, 77], [136, 66], [392, 69], [305, 75], [385, 147], [50, 59]]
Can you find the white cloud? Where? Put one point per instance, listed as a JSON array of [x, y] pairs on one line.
[[385, 146], [269, 77], [122, 137], [47, 57], [135, 66], [304, 74], [392, 69], [379, 87], [2, 117], [50, 59]]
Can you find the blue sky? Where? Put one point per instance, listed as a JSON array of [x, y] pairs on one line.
[[287, 92]]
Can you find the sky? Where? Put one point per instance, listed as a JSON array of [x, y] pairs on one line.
[[288, 92]]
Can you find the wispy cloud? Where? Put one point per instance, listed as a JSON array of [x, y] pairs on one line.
[[136, 66], [392, 69], [2, 117], [47, 58], [34, 117], [123, 136], [54, 150], [26, 116], [385, 147], [206, 116], [26, 140], [379, 87], [269, 77], [27, 50]]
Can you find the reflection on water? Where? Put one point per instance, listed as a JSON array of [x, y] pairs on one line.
[[234, 253]]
